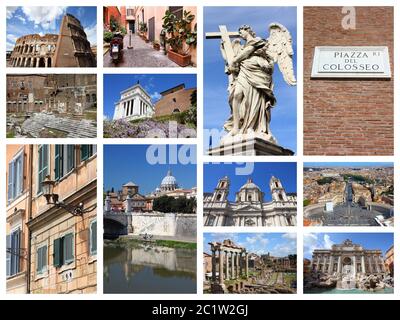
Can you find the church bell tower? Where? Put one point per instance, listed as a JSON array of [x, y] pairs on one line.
[[222, 190], [277, 190]]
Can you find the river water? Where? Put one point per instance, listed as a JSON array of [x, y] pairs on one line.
[[148, 269]]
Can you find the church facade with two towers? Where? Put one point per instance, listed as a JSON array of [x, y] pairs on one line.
[[249, 208]]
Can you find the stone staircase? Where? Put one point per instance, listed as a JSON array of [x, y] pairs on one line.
[[73, 128]]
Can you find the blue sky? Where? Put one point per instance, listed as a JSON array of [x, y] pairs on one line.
[[216, 108], [370, 241], [263, 171], [30, 20], [152, 83], [124, 163], [277, 244], [348, 164]]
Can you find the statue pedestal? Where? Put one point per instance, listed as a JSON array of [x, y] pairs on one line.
[[249, 146]]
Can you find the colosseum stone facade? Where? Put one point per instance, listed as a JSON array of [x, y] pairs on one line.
[[70, 48]]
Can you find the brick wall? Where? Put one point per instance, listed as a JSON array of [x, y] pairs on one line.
[[166, 105], [341, 116]]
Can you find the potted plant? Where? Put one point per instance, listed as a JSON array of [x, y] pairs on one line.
[[156, 45], [180, 36], [143, 29]]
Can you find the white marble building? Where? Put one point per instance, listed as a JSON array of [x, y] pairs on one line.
[[348, 259], [249, 208], [135, 103]]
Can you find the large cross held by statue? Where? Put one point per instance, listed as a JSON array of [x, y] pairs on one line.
[[225, 35]]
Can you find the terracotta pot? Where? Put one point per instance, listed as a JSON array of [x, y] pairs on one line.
[[181, 60], [156, 47]]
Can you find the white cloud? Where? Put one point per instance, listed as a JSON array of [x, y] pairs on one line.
[[155, 96], [12, 38], [328, 243], [310, 242], [91, 33], [251, 240], [10, 11], [22, 19], [10, 46], [44, 16], [289, 236]]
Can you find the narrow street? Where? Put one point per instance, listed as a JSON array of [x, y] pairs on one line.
[[141, 55]]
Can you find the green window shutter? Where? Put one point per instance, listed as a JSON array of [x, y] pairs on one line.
[[44, 258], [39, 260], [93, 238], [43, 165], [57, 255], [21, 174], [68, 248], [10, 181], [57, 162], [84, 152], [8, 258], [70, 157]]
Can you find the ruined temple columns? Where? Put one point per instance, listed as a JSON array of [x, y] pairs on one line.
[[227, 265], [247, 264], [233, 265], [221, 266], [237, 266], [213, 265]]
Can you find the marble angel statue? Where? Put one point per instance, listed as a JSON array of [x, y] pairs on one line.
[[251, 86]]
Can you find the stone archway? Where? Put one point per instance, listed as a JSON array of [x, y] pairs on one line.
[[48, 62]]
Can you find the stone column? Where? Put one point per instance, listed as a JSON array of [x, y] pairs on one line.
[[227, 264], [362, 264], [318, 261], [330, 264], [354, 265], [378, 268], [237, 266], [339, 267], [247, 264], [221, 266], [370, 265], [213, 265], [240, 271], [233, 265]]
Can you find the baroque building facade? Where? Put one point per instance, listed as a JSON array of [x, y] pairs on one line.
[[249, 208], [348, 259], [69, 48], [49, 249]]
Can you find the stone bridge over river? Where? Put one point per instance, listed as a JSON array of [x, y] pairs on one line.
[[176, 225]]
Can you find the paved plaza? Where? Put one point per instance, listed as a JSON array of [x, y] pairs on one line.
[[141, 55]]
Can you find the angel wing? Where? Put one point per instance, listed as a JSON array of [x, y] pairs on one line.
[[280, 49]]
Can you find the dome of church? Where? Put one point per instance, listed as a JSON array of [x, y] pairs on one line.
[[250, 185], [169, 182]]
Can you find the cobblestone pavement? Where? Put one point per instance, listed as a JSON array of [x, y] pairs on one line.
[[142, 55]]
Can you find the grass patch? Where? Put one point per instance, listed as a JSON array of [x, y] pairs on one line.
[[176, 244], [289, 278], [161, 243], [90, 116], [10, 134]]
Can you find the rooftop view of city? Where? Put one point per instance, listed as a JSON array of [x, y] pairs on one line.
[[354, 194]]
